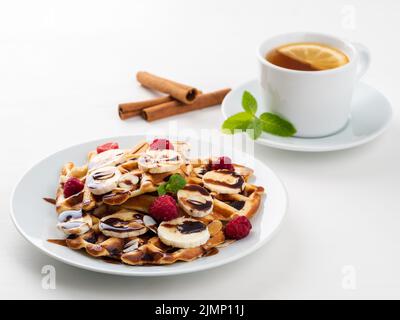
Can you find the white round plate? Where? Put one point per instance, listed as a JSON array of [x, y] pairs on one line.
[[36, 219], [371, 114]]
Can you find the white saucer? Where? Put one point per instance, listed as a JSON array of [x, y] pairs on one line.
[[370, 116]]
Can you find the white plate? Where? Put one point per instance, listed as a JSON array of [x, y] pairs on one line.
[[371, 114], [36, 220]]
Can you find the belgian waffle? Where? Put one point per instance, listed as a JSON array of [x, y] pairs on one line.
[[73, 202], [110, 218]]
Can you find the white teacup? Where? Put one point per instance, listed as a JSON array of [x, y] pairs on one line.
[[316, 102]]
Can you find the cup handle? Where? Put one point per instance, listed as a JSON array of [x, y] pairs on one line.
[[364, 59]]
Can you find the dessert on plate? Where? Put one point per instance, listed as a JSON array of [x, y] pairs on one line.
[[154, 205]]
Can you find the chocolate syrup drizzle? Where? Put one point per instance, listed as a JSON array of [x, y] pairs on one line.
[[118, 225], [50, 200]]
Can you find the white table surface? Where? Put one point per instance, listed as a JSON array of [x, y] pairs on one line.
[[64, 67]]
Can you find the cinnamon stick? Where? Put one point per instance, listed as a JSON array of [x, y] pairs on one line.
[[168, 109], [131, 109], [181, 92]]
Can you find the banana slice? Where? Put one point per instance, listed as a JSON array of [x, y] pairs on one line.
[[182, 147], [200, 171], [160, 161], [128, 181], [74, 222], [183, 233], [132, 245], [123, 224], [112, 157], [103, 180], [150, 223], [195, 200], [223, 181]]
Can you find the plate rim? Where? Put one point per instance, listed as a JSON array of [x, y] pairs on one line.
[[131, 272], [298, 147]]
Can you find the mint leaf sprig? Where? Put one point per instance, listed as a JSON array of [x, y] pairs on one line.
[[173, 185], [247, 121]]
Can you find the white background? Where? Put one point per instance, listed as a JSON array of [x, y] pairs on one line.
[[64, 67]]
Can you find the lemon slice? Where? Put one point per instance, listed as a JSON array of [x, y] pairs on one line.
[[317, 56]]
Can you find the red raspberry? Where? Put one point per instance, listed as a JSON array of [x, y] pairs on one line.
[[72, 186], [164, 208], [222, 163], [161, 144], [238, 228], [107, 146]]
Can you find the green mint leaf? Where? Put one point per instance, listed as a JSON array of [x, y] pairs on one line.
[[249, 103], [255, 129], [274, 124], [162, 189], [239, 121], [247, 121], [175, 183]]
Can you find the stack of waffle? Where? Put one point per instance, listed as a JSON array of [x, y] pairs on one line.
[[110, 218]]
